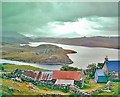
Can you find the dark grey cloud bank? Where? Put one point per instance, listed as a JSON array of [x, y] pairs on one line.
[[37, 19]]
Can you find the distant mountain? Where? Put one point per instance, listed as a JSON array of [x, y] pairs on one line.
[[9, 37], [72, 34], [98, 41], [106, 42]]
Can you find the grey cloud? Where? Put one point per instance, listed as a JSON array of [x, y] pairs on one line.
[[26, 17]]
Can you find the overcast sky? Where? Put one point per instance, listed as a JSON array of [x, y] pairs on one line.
[[61, 19]]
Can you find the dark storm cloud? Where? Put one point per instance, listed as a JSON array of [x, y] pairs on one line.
[[26, 17]]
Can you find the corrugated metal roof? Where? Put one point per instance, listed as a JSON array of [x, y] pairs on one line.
[[67, 75], [46, 75], [64, 82], [38, 75], [100, 72], [113, 66]]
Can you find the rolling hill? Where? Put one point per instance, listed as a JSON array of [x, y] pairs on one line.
[[106, 42], [9, 37], [43, 54]]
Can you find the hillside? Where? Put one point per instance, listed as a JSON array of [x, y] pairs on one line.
[[43, 54], [13, 38], [106, 42], [13, 67], [98, 41], [10, 87]]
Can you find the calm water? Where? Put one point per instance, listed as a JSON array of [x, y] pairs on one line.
[[50, 67], [83, 57]]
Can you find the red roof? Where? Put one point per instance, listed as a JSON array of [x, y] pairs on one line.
[[67, 75], [39, 75], [31, 74]]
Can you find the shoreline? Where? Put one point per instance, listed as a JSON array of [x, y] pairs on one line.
[[53, 67]]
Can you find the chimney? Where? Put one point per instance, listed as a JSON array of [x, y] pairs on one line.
[[106, 59]]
